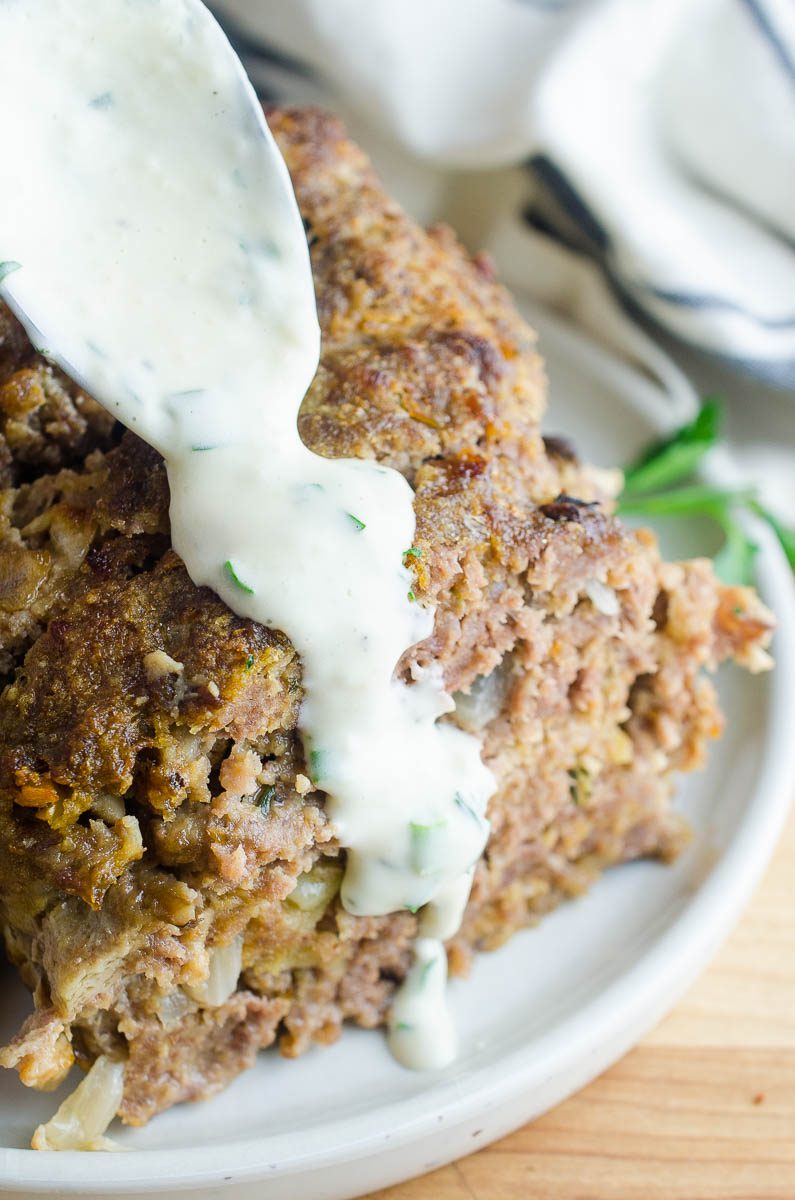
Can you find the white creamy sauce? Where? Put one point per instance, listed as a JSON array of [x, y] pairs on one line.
[[421, 1032], [163, 262]]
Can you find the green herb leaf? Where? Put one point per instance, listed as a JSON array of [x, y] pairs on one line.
[[675, 458], [785, 536], [8, 268], [199, 449], [249, 662], [412, 552], [734, 562], [263, 798], [360, 525], [236, 580], [695, 500], [411, 595]]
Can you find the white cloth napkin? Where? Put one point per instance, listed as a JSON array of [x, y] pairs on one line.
[[655, 136]]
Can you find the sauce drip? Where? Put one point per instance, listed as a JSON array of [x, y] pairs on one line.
[[151, 243]]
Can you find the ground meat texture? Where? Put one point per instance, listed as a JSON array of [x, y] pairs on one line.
[[155, 806], [46, 420]]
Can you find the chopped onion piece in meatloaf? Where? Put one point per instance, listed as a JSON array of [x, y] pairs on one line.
[[225, 966], [82, 1119]]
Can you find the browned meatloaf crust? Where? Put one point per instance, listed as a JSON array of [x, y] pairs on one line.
[[153, 798]]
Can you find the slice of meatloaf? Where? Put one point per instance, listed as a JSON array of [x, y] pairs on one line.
[[168, 878]]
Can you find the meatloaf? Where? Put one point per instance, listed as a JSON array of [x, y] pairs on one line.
[[168, 876]]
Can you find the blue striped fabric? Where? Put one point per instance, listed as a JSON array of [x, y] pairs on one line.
[[720, 309]]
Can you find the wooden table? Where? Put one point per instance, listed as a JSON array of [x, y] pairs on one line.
[[703, 1109]]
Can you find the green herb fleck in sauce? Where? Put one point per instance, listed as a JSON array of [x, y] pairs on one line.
[[236, 580], [360, 525], [427, 846], [467, 808], [317, 764], [187, 394], [425, 972]]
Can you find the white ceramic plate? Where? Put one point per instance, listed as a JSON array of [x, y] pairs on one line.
[[539, 1018]]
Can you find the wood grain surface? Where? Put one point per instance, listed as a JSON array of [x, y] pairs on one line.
[[703, 1109]]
